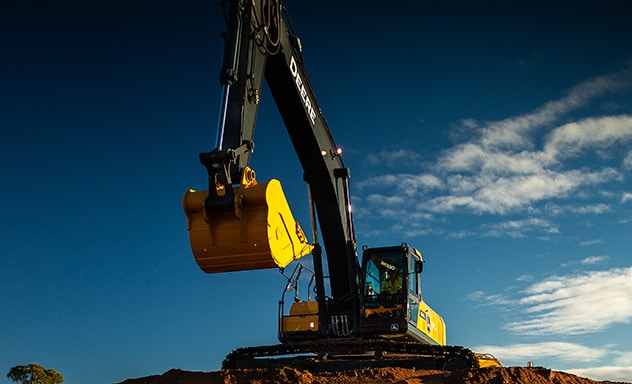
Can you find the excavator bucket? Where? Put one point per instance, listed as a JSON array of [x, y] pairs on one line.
[[259, 233]]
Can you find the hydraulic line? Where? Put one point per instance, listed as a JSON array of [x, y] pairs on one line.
[[221, 124]]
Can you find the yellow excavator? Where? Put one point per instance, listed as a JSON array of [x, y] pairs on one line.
[[365, 312]]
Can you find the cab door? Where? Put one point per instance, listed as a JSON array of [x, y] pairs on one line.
[[414, 290]]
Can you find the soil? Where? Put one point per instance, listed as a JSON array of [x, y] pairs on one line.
[[505, 375]]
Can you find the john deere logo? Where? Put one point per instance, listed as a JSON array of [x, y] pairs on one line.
[[394, 327]]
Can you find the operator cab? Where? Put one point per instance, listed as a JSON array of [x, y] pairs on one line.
[[391, 303]]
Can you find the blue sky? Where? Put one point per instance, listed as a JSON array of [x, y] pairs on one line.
[[495, 138]]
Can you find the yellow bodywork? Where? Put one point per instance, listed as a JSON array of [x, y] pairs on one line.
[[487, 361], [431, 323], [259, 233], [303, 317]]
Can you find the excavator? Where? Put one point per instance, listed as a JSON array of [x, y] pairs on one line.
[[366, 312]]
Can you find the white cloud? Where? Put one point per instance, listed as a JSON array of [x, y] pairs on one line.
[[610, 373], [537, 351], [591, 209], [485, 180], [590, 242], [593, 260], [570, 139], [386, 201], [522, 164], [590, 260], [504, 194], [403, 183], [525, 278], [514, 132], [627, 161], [395, 157], [476, 295], [519, 228], [553, 209], [624, 358], [520, 354], [559, 305]]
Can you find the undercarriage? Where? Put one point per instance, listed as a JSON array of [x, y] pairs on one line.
[[347, 354]]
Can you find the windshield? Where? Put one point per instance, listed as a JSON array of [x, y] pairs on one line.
[[383, 279]]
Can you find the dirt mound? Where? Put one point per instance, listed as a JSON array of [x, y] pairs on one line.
[[510, 375]]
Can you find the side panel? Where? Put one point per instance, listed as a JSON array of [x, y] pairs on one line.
[[430, 324], [301, 323]]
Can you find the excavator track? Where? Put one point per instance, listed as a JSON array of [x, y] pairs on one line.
[[337, 355]]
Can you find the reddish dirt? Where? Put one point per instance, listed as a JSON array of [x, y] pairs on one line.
[[506, 375]]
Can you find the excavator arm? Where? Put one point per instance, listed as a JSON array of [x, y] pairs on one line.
[[261, 43]]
